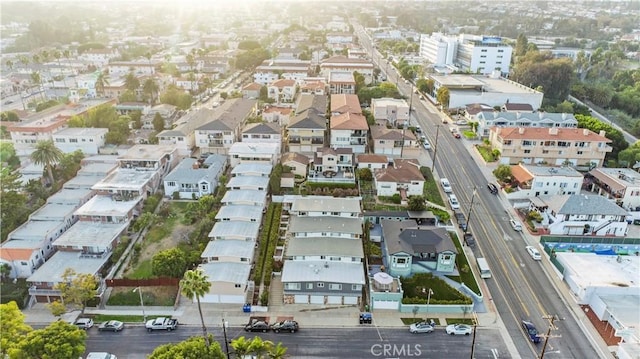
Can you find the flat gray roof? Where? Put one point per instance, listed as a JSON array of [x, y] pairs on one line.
[[235, 229], [97, 169], [53, 212], [554, 171], [105, 206], [251, 168], [254, 148], [35, 230], [229, 248], [52, 270], [146, 153], [185, 173], [325, 246], [299, 224], [239, 212], [226, 272], [245, 195], [315, 271], [69, 196], [90, 234], [326, 204], [125, 179], [82, 182], [248, 181], [81, 131]]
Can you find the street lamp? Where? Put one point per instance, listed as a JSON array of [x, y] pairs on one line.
[[466, 228], [226, 341], [404, 128], [429, 300], [144, 315], [435, 150]]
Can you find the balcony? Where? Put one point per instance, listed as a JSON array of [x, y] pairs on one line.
[[605, 149], [215, 144]]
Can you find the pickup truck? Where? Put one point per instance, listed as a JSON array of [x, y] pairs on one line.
[[162, 323]]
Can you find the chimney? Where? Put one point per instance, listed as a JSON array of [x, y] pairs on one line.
[[585, 132], [521, 130], [603, 133], [553, 131], [195, 165]]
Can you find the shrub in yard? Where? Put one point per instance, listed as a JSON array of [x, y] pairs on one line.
[[396, 198]]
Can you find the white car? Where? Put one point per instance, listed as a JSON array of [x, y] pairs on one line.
[[459, 329], [453, 201], [534, 253], [84, 323], [515, 225], [446, 186], [422, 327], [426, 145]]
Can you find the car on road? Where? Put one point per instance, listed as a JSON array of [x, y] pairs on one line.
[[8, 102], [111, 326], [161, 323], [290, 326], [422, 327], [426, 145], [531, 331], [100, 355], [534, 253], [459, 329], [257, 326], [366, 318], [492, 188], [446, 186], [461, 219], [468, 239], [456, 134], [84, 323], [453, 201], [418, 129], [515, 225]]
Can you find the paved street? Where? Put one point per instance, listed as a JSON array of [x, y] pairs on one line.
[[362, 342]]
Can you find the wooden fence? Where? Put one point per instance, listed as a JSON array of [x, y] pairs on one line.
[[143, 282]]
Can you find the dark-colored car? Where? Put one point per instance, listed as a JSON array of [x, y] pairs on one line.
[[461, 219], [469, 240], [531, 331], [257, 326], [111, 326], [290, 326], [366, 318], [492, 188]]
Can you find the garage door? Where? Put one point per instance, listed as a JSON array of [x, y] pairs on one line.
[[236, 299], [334, 299], [317, 299], [350, 300], [385, 304], [209, 298], [301, 299]]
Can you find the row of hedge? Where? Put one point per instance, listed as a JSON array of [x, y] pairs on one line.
[[264, 242], [273, 241]]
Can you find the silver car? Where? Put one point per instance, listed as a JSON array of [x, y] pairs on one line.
[[459, 329], [422, 327]]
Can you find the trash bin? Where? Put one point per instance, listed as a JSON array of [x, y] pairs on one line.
[[246, 308]]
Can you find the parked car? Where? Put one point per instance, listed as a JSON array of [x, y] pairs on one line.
[[422, 327], [100, 355], [534, 253], [531, 331], [459, 329], [457, 135], [461, 219], [257, 326], [366, 318], [492, 188], [285, 326], [426, 145], [446, 186], [84, 323], [111, 326], [469, 240], [161, 323], [453, 201], [515, 225]]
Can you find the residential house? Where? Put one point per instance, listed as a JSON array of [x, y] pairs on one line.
[[245, 197], [319, 206], [25, 135], [235, 230], [99, 58], [316, 102], [344, 103], [183, 134], [274, 69], [343, 63], [339, 38], [262, 133], [296, 162], [488, 119], [228, 251], [349, 130], [408, 248], [306, 131], [581, 215], [314, 86], [391, 141], [122, 68], [229, 282], [556, 146], [276, 114], [251, 91], [342, 82], [332, 165], [619, 184], [248, 182], [87, 140], [371, 161], [126, 108], [534, 181], [192, 179], [251, 170], [219, 135], [394, 111], [403, 178], [282, 91], [168, 113], [156, 158], [517, 107], [256, 152], [328, 226], [237, 212]]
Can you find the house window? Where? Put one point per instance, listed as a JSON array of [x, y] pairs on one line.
[[309, 285], [238, 285], [356, 287], [24, 263], [580, 152], [401, 260], [507, 142], [244, 259], [334, 286], [527, 151], [215, 258], [292, 286], [334, 259], [320, 285], [171, 183]]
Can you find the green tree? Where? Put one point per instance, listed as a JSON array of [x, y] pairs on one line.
[[127, 96], [618, 142], [630, 156], [136, 119], [158, 122], [59, 340], [12, 200], [417, 203], [131, 82], [176, 97], [69, 165], [8, 154], [503, 173], [240, 346], [101, 82], [9, 116], [443, 97], [191, 348], [522, 44], [169, 263], [364, 174], [195, 284], [76, 121], [541, 69], [77, 288], [12, 327], [47, 155]]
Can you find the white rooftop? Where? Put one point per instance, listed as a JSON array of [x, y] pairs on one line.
[[69, 196], [326, 204], [81, 131], [52, 270], [235, 229], [387, 101], [35, 230], [609, 273], [315, 271], [53, 212], [255, 197], [82, 182], [125, 179], [229, 248], [244, 169], [245, 182], [105, 206], [254, 148], [226, 272], [90, 234], [146, 153], [239, 212]]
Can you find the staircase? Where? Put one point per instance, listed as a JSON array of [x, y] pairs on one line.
[[275, 293]]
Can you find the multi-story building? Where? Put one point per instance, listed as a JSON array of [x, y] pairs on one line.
[[554, 146], [342, 63], [282, 91], [274, 69], [619, 184], [88, 140], [341, 82], [488, 119], [534, 181], [394, 111], [122, 68]]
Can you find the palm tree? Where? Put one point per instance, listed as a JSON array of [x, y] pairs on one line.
[[150, 87], [241, 346], [131, 82], [195, 284], [101, 82], [47, 155], [57, 55], [277, 352], [259, 347], [37, 81]]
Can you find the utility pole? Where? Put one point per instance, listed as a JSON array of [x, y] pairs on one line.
[[551, 319], [404, 128], [226, 341], [466, 229], [435, 150], [473, 341]]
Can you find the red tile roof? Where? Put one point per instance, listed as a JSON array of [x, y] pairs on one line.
[[555, 133]]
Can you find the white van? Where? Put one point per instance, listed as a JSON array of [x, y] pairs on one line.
[[446, 186], [534, 253], [453, 201]]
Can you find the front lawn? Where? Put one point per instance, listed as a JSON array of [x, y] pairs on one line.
[[151, 296], [143, 270], [99, 318], [430, 190], [468, 321], [416, 291], [486, 153], [466, 275], [469, 134]]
